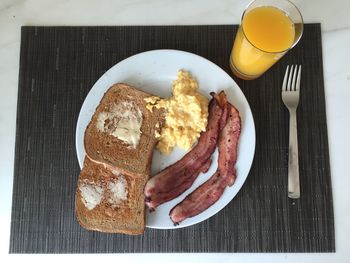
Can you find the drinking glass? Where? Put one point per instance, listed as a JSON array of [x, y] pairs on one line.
[[268, 30]]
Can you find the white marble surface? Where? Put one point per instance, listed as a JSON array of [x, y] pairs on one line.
[[335, 18]]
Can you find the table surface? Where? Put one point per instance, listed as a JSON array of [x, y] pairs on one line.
[[335, 38]]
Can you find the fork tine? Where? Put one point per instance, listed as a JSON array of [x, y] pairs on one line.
[[289, 84], [293, 85], [298, 79], [284, 88]]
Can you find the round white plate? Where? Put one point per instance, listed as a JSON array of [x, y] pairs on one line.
[[153, 72]]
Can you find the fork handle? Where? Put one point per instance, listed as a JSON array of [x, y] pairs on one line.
[[293, 159]]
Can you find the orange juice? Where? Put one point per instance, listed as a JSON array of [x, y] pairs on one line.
[[265, 34]]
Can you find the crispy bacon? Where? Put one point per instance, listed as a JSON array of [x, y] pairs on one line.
[[222, 97], [199, 200], [177, 178], [209, 192], [228, 142]]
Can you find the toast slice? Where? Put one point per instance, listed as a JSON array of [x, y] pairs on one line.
[[101, 144], [110, 202], [119, 143]]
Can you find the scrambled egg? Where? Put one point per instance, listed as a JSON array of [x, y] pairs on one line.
[[187, 114]]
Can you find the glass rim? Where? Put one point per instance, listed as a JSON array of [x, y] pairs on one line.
[[275, 52]]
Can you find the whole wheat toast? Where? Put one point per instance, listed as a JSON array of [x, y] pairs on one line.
[[125, 216], [111, 163], [104, 148]]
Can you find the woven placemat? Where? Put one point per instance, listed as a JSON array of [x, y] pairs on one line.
[[59, 65]]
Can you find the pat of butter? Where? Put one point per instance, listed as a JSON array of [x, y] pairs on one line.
[[124, 122], [118, 191], [91, 194]]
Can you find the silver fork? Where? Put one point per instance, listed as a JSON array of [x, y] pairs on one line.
[[290, 98]]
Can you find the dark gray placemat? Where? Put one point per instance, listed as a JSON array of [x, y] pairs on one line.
[[58, 67]]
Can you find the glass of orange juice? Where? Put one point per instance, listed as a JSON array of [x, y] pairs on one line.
[[268, 29]]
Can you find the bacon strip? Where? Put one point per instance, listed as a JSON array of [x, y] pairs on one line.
[[199, 200], [228, 143], [209, 192], [177, 178]]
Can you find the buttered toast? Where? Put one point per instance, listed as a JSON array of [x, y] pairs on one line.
[[119, 143], [129, 151], [109, 202]]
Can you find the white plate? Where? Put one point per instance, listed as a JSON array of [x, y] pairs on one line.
[[153, 72]]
